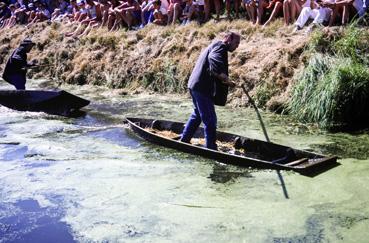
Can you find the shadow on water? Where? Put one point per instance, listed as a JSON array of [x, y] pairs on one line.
[[224, 174], [26, 221]]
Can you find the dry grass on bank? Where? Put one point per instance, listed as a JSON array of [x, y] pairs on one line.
[[161, 58]]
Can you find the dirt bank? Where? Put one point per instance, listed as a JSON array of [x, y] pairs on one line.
[[160, 59]]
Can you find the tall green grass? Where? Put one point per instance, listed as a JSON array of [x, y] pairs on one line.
[[333, 89], [333, 92], [164, 78]]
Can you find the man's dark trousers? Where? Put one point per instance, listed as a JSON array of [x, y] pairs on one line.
[[18, 80], [204, 111]]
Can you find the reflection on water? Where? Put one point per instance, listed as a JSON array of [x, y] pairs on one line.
[[90, 179]]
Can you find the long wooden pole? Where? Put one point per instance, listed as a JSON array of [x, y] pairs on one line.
[[266, 137]]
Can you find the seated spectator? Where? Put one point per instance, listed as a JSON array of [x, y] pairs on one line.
[[110, 16], [276, 7], [292, 8], [61, 10], [93, 16], [236, 8], [250, 7], [129, 12], [148, 9], [104, 7], [159, 17], [73, 12], [345, 8], [82, 13], [199, 10], [174, 11], [187, 12], [22, 13], [193, 9], [261, 6], [146, 12], [41, 14], [97, 21], [11, 21], [316, 11], [207, 9]]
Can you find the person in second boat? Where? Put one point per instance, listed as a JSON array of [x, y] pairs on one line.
[[208, 86], [16, 67]]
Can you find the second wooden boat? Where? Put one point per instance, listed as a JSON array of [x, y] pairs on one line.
[[58, 102]]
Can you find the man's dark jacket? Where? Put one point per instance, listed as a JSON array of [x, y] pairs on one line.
[[214, 59], [16, 64]]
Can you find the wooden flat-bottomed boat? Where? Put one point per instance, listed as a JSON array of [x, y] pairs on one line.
[[58, 102], [232, 149]]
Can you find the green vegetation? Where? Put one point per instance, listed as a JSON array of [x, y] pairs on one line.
[[333, 89], [163, 79]]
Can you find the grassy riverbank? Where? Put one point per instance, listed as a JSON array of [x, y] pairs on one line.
[[279, 67]]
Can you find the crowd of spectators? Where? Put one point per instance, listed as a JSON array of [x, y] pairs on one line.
[[84, 15]]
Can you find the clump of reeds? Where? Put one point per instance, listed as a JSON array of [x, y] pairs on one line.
[[333, 89]]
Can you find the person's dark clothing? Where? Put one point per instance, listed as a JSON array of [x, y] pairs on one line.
[[213, 60], [16, 68], [205, 90]]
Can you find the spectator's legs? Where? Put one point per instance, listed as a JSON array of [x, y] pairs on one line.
[[91, 25], [191, 13], [345, 14], [207, 9], [118, 20], [111, 21], [228, 8], [13, 21], [305, 14], [105, 17], [295, 9], [31, 16], [286, 11], [237, 4], [170, 13], [127, 18], [177, 12], [320, 15], [251, 11], [55, 14], [260, 11], [217, 8], [277, 7]]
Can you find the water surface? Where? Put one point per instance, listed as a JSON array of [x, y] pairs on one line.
[[91, 179]]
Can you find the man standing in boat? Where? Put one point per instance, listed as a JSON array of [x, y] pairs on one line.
[[208, 86], [16, 67]]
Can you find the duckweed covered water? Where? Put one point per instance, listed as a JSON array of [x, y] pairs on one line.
[[91, 179]]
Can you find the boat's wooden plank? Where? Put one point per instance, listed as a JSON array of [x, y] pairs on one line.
[[315, 162], [296, 162]]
